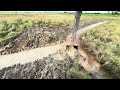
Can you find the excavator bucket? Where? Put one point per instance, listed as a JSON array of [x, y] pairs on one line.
[[73, 39]]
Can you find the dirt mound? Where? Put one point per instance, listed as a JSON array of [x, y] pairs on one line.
[[40, 69], [56, 66], [46, 68], [37, 37]]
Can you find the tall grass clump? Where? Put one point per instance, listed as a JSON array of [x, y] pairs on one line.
[[104, 42]]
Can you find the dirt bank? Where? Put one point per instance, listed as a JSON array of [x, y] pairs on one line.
[[90, 63], [51, 67]]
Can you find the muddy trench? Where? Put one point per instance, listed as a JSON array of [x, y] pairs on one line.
[[89, 63]]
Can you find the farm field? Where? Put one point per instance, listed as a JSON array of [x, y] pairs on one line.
[[22, 32]]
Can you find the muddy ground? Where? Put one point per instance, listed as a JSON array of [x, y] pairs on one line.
[[46, 68], [40, 36]]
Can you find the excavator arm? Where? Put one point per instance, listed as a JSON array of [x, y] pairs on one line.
[[71, 39], [76, 26]]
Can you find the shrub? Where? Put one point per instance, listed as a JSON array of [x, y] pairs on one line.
[[77, 72]]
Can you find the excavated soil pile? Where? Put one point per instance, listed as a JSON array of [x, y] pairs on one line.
[[41, 35], [46, 68], [34, 38]]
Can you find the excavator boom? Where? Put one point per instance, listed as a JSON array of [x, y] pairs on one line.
[[76, 25], [72, 39]]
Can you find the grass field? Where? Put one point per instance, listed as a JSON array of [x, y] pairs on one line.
[[104, 42], [13, 25]]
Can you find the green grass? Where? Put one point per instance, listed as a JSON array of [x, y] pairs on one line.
[[77, 72], [104, 42], [13, 25], [12, 28], [102, 16]]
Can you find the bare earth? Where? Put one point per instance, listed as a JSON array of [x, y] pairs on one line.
[[27, 56], [39, 53]]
